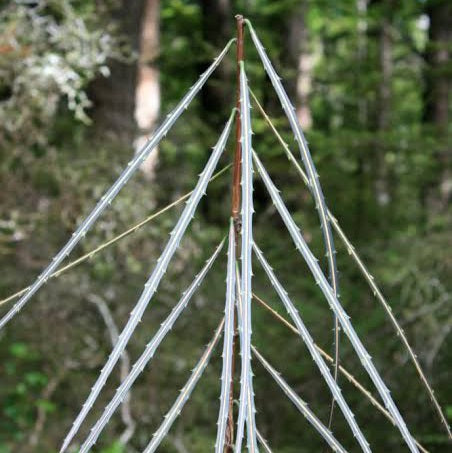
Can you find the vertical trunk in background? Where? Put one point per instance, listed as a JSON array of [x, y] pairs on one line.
[[361, 7], [383, 111], [217, 97], [437, 87], [298, 56], [113, 96], [385, 57], [360, 213], [147, 92]]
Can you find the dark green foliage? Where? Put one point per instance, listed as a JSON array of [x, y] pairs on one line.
[[53, 167]]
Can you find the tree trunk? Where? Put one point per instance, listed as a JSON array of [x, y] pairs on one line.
[[147, 93], [383, 110], [113, 96], [361, 208], [217, 97], [436, 96], [298, 56]]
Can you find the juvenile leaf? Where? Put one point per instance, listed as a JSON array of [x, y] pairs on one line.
[[185, 393], [314, 184], [263, 442], [240, 325], [246, 406], [307, 339], [148, 354], [366, 393], [227, 345], [301, 405], [335, 305], [151, 285]]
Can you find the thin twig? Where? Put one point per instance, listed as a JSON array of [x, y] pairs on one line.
[[42, 412]]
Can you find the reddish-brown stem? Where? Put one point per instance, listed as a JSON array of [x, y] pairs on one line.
[[235, 212]]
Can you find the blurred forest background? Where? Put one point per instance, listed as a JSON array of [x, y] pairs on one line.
[[82, 82]]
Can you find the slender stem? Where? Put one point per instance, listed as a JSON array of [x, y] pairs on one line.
[[235, 212]]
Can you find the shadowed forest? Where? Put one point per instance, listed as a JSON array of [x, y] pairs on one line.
[[84, 83]]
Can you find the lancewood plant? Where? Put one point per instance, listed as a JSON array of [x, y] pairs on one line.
[[365, 392], [363, 269], [238, 289]]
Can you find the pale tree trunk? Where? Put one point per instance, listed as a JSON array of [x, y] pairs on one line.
[[298, 56], [147, 92], [437, 84]]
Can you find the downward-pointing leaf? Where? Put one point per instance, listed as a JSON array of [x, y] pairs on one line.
[[151, 285]]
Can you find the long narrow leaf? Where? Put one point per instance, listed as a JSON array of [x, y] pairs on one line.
[[239, 306], [148, 354], [246, 406], [105, 201], [335, 305], [226, 374], [365, 272], [307, 339], [301, 405], [366, 393], [151, 285], [185, 393], [304, 151], [263, 442], [314, 183]]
